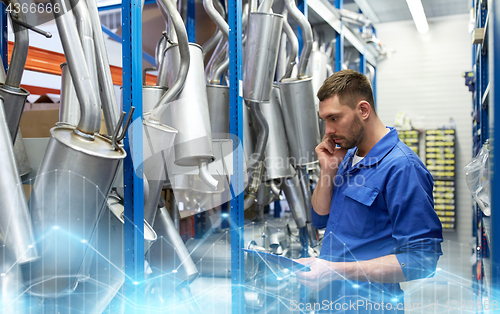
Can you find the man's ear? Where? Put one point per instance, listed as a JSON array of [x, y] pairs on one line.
[[364, 109]]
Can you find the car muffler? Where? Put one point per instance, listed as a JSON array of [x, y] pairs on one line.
[[15, 224], [69, 192], [261, 55], [73, 182], [187, 111], [301, 120], [297, 96], [218, 108], [103, 270], [276, 152]]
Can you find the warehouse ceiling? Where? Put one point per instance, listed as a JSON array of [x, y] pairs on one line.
[[383, 11]]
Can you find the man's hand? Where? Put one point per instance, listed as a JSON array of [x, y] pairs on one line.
[[329, 156], [322, 273]]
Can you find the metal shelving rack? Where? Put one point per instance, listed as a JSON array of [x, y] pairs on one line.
[[494, 45], [132, 96], [485, 60]]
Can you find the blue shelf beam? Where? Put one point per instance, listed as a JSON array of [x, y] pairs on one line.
[[133, 163], [236, 128], [146, 56], [118, 5]]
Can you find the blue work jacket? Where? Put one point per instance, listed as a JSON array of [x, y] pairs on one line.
[[383, 205]]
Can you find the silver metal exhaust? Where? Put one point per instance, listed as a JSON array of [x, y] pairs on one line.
[[276, 152], [22, 161], [73, 182], [218, 108], [110, 107], [175, 85], [307, 36], [85, 31], [15, 224], [297, 96], [301, 119], [69, 107], [170, 260], [90, 115], [295, 197], [261, 55], [294, 47], [14, 97], [103, 270], [159, 140]]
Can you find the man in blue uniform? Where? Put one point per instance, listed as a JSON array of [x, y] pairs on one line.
[[374, 198]]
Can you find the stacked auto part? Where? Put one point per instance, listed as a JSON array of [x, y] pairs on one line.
[[68, 239]]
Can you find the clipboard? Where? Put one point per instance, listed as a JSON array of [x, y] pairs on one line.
[[283, 261]]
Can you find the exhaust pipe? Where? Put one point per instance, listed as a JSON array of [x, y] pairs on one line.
[[297, 96], [22, 161], [69, 107], [14, 97], [307, 36], [185, 60], [110, 107], [170, 260], [294, 44], [85, 31], [295, 197]]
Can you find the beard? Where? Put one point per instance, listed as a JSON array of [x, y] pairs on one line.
[[357, 134]]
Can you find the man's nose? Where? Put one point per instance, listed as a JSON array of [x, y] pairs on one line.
[[329, 129]]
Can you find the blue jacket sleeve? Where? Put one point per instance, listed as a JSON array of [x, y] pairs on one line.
[[319, 221], [415, 225]]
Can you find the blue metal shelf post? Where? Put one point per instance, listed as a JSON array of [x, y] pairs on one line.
[[494, 113], [133, 164], [339, 43], [191, 21], [302, 6], [236, 128]]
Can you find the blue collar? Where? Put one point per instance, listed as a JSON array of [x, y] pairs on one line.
[[377, 153]]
